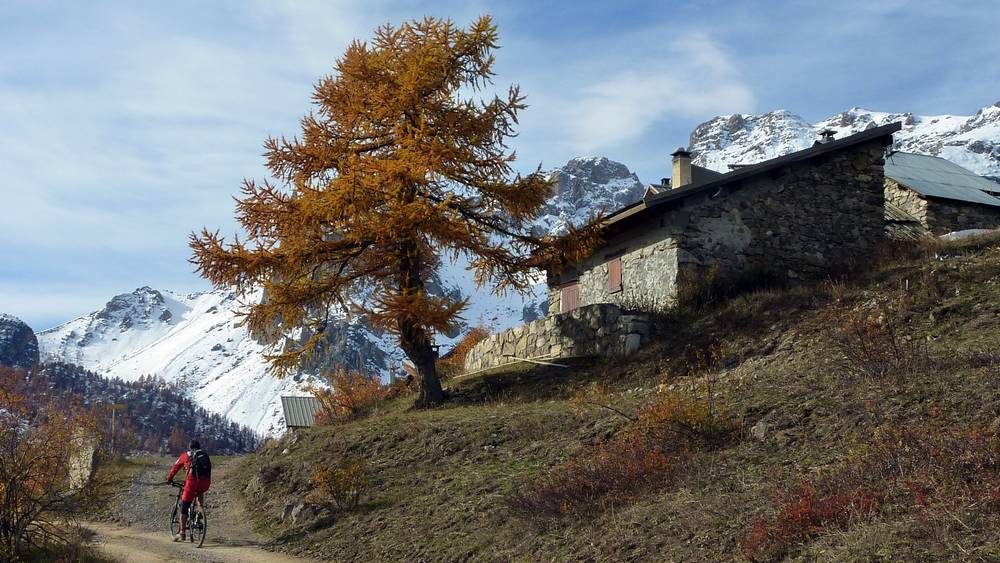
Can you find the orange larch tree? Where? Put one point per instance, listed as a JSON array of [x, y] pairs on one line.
[[404, 162]]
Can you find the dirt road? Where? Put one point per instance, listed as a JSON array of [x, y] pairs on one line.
[[144, 513]]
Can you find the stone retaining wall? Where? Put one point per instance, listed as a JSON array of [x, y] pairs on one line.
[[594, 330]]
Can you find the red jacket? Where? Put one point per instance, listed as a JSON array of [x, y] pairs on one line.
[[183, 461]]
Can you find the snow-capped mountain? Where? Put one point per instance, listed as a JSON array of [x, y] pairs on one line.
[[195, 341], [584, 186], [969, 141]]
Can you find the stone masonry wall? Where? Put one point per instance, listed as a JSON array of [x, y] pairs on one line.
[[907, 200], [649, 272], [800, 221], [595, 330], [946, 216]]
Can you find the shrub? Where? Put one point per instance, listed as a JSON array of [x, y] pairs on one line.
[[646, 453], [342, 486], [872, 348], [805, 512], [937, 474], [454, 363], [678, 419], [610, 473], [352, 395], [40, 444]]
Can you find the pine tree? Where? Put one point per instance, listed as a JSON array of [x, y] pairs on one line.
[[403, 162]]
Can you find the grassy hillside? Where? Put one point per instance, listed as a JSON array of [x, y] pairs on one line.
[[860, 420]]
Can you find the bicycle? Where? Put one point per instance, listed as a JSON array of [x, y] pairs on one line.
[[197, 522]]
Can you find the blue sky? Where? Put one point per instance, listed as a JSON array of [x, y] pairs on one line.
[[126, 125]]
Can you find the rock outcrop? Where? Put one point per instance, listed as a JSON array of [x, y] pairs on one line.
[[18, 345]]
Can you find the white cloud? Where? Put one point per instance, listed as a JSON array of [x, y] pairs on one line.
[[694, 76]]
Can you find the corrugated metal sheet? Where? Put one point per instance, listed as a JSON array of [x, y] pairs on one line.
[[936, 177], [299, 411]]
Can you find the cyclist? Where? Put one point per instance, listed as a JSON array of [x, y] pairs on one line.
[[198, 468]]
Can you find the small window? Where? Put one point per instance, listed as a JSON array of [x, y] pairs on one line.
[[615, 275], [569, 297]]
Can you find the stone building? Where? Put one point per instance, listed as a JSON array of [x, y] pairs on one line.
[[938, 195], [797, 216], [803, 215]]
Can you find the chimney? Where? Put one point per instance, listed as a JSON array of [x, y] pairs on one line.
[[682, 168], [826, 135]]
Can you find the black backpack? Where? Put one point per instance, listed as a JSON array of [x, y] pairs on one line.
[[201, 464]]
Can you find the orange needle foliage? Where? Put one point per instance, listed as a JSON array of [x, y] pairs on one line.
[[403, 161]]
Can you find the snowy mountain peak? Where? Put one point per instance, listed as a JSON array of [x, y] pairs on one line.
[[586, 185], [195, 341], [143, 306]]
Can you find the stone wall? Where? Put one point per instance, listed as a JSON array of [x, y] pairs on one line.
[[594, 330], [946, 216], [906, 199], [942, 216], [802, 220], [649, 272]]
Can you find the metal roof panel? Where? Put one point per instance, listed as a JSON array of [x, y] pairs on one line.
[[936, 177], [299, 411]]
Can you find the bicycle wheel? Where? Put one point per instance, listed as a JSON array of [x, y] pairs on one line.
[[197, 525], [175, 521]]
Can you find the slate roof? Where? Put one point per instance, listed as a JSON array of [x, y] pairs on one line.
[[701, 174], [299, 411], [935, 177]]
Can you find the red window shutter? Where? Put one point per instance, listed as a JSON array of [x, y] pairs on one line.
[[615, 275], [569, 297]]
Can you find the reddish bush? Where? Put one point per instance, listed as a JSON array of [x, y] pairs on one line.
[[453, 363], [935, 473], [873, 348], [612, 471], [352, 395], [684, 419], [804, 513], [342, 486]]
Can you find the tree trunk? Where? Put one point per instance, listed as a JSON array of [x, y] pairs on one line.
[[418, 349], [413, 337]]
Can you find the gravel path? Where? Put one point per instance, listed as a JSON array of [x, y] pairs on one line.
[[143, 513]]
